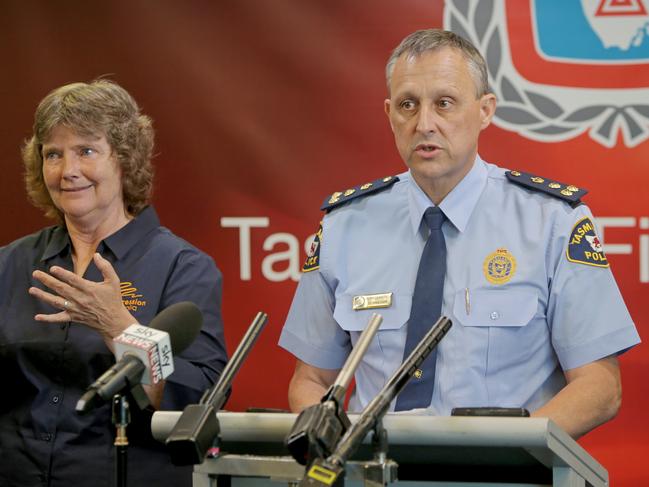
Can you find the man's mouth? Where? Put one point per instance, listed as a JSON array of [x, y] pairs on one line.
[[426, 148]]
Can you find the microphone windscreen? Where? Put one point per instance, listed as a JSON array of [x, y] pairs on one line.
[[182, 321]]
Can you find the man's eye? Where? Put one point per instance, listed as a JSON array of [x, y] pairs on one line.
[[87, 151], [50, 155], [407, 104], [444, 103]]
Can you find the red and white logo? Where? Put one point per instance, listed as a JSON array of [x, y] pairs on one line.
[[620, 7], [594, 242], [561, 69]]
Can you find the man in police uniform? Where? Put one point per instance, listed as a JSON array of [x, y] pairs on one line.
[[538, 319]]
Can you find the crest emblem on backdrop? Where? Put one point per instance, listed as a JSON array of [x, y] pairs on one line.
[[563, 67]]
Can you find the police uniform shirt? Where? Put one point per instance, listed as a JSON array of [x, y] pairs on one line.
[[522, 310], [47, 366]]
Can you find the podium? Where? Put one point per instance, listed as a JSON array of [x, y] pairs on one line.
[[430, 450]]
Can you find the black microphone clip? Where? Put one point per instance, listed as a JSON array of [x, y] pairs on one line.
[[318, 428], [198, 428]]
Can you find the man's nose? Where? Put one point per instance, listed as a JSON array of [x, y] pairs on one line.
[[427, 120]]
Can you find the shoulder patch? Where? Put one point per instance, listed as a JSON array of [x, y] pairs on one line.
[[567, 192], [312, 262], [584, 246], [341, 197]]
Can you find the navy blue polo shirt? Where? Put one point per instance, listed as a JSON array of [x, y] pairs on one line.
[[46, 367]]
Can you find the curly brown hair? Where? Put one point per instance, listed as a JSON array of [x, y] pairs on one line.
[[98, 108]]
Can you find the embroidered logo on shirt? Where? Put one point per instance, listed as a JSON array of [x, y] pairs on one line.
[[313, 255], [130, 297], [585, 246], [499, 266]]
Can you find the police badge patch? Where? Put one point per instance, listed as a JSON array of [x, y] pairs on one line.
[[312, 262], [585, 246], [499, 267]]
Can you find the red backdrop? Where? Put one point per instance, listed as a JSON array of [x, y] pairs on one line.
[[262, 107]]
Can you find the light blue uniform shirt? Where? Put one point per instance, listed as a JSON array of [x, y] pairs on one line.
[[510, 340]]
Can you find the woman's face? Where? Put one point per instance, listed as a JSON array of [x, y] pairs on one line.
[[83, 177]]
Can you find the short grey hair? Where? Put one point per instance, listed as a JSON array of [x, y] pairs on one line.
[[421, 41]]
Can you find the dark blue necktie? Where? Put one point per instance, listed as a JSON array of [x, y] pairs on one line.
[[425, 311]]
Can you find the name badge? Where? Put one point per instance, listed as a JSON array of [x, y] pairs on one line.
[[371, 301]]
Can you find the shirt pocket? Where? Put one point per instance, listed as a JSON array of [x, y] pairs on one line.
[[499, 333], [385, 351], [495, 308]]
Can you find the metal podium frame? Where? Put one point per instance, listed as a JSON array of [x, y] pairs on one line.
[[441, 451]]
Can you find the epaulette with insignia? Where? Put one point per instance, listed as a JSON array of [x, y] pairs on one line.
[[567, 192], [341, 197]]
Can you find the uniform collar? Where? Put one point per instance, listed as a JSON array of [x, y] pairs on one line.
[[119, 242], [458, 204]]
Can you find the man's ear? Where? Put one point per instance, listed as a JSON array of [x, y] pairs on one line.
[[487, 109], [387, 107]]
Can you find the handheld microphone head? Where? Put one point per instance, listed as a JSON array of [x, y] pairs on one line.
[[183, 322], [145, 354]]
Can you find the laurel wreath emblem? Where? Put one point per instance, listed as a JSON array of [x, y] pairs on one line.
[[541, 112]]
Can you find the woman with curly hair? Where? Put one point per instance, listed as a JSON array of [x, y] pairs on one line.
[[68, 290]]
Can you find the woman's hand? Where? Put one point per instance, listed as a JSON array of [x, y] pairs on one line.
[[96, 304]]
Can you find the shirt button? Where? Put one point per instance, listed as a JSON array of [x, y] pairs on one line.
[[55, 398], [46, 437], [494, 315]]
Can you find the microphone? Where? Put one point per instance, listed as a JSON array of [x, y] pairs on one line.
[[198, 428], [144, 355], [323, 473], [318, 428]]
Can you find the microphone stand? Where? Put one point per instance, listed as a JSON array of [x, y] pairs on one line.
[[330, 471], [197, 429], [318, 428], [121, 419]]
